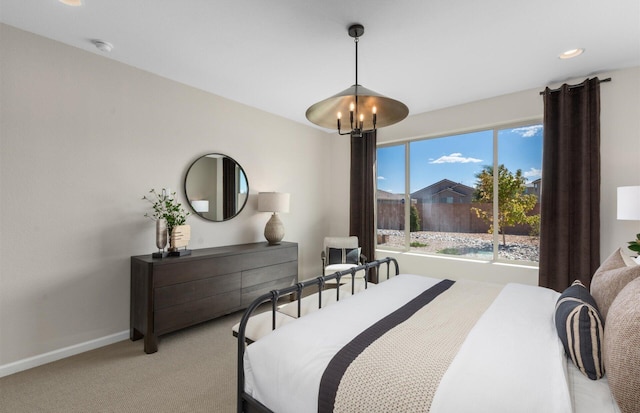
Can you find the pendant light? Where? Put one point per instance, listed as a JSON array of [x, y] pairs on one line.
[[358, 108]]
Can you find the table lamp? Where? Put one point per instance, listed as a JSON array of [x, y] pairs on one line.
[[273, 202]]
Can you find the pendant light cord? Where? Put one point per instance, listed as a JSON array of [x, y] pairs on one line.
[[356, 42], [355, 39]]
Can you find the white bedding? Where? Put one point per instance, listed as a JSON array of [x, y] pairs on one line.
[[522, 366]]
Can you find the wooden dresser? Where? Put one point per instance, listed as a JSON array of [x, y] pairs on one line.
[[171, 293]]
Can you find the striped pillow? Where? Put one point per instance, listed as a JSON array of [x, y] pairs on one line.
[[581, 329], [343, 255]]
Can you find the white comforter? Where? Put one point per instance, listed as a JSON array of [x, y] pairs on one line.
[[512, 360]]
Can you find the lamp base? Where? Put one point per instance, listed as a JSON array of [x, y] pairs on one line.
[[274, 230]]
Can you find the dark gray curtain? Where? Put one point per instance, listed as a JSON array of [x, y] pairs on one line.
[[229, 199], [362, 202], [570, 196]]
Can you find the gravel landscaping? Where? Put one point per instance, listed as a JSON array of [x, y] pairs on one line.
[[519, 247]]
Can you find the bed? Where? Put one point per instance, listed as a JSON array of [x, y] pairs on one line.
[[411, 343]]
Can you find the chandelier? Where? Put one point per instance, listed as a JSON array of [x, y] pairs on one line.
[[367, 109]]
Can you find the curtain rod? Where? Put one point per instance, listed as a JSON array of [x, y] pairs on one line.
[[572, 86]]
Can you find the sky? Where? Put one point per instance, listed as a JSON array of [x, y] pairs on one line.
[[460, 157]]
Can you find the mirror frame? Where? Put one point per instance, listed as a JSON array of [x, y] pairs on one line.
[[239, 208]]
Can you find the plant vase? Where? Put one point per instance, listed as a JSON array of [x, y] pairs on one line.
[[161, 237]]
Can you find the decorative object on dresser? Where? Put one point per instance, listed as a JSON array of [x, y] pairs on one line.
[[273, 202], [629, 209], [166, 208], [161, 237], [179, 238], [168, 295]]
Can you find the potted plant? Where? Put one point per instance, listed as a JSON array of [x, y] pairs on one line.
[[170, 212], [635, 244]]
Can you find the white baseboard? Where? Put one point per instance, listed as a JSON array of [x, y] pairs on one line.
[[45, 358]]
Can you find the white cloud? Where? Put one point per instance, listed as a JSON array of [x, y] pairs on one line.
[[527, 131], [533, 174], [455, 158], [381, 178]]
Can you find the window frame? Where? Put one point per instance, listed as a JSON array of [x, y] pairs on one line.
[[496, 128]]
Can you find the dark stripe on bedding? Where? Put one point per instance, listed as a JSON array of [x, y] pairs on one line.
[[340, 362]]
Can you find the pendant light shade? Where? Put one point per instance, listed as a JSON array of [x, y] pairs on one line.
[[363, 109], [388, 111]]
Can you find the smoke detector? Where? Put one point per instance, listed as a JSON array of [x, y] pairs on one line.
[[102, 45]]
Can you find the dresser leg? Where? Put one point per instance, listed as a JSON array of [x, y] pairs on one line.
[[150, 343]]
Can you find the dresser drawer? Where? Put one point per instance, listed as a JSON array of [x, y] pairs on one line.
[[269, 257], [260, 281], [183, 271], [263, 275], [195, 290], [194, 312]]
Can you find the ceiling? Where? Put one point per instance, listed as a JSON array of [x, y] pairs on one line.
[[282, 56]]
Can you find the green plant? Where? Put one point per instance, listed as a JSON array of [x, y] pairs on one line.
[[513, 203], [635, 244], [450, 251], [414, 219], [417, 244], [166, 207]]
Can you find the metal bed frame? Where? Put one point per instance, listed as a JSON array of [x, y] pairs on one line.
[[245, 402]]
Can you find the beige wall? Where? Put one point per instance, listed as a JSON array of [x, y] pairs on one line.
[[620, 153], [83, 138]]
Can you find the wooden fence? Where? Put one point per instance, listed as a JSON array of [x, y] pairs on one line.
[[442, 217]]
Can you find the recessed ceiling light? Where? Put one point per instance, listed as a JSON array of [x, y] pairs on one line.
[[569, 54], [71, 2]]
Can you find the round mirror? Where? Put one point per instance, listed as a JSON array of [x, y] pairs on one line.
[[216, 187]]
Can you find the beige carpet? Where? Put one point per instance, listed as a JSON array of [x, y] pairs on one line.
[[194, 370]]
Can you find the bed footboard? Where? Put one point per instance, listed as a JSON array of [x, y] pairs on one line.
[[248, 404]]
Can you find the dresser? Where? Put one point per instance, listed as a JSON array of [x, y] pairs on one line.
[[171, 293]]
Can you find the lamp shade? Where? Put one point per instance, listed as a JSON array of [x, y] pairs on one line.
[[201, 205], [273, 202], [389, 111], [629, 203]]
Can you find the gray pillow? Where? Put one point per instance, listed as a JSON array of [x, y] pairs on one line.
[[612, 276], [622, 347]]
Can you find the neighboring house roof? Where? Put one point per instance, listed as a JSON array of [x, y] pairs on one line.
[[451, 190], [442, 186]]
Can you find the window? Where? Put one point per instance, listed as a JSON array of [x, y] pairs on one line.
[[456, 185]]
